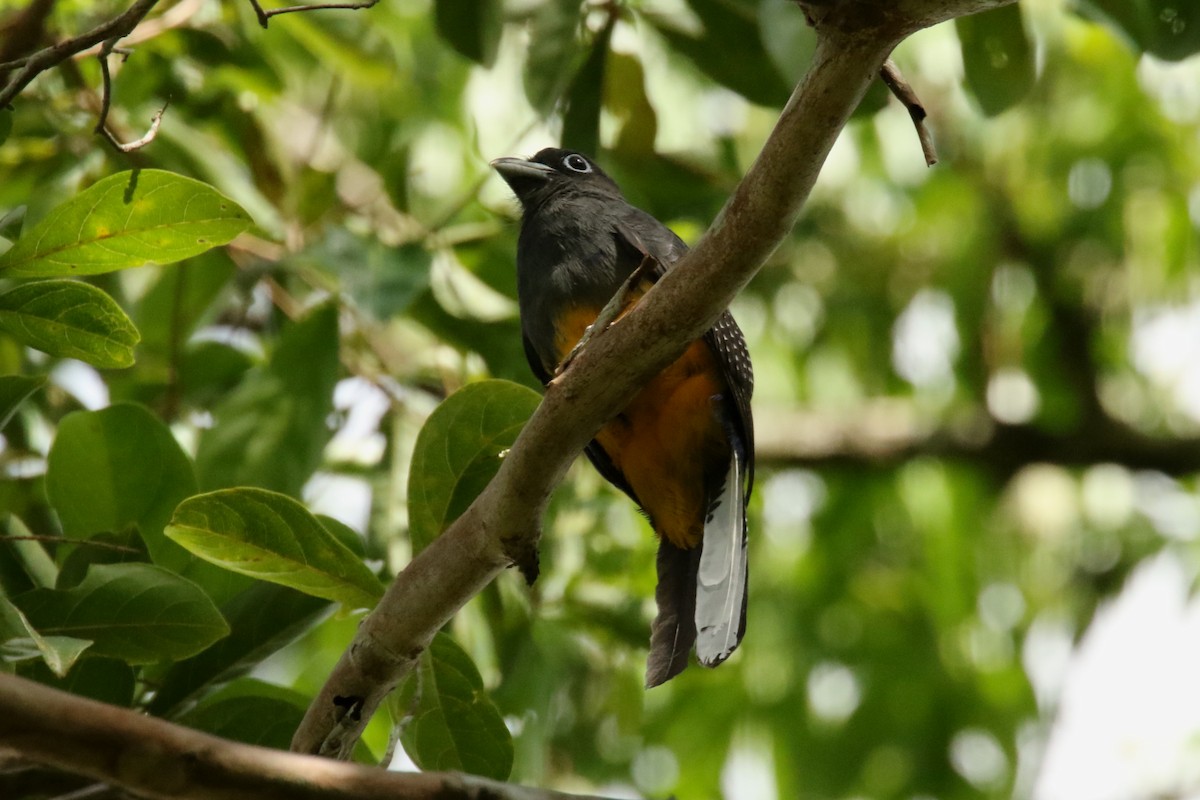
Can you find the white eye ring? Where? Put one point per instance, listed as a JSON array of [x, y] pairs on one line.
[[577, 163]]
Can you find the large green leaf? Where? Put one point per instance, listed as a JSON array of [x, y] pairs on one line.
[[554, 48], [14, 390], [30, 556], [70, 319], [728, 50], [382, 279], [168, 313], [261, 619], [120, 467], [108, 680], [472, 27], [272, 537], [250, 711], [454, 725], [458, 451], [581, 119], [997, 57], [126, 220], [271, 431], [20, 641], [115, 467], [1169, 29], [138, 613]]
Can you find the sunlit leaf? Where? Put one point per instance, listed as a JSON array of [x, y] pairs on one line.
[[142, 217], [269, 536], [458, 451], [138, 613], [70, 319], [454, 724], [20, 641]]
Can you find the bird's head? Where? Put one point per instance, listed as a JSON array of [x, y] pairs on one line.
[[552, 172]]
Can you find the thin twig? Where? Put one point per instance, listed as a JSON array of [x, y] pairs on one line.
[[136, 144], [116, 28], [105, 84], [120, 548], [905, 94], [264, 15], [107, 48]]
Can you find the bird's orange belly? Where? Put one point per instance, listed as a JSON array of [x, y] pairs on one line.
[[668, 441]]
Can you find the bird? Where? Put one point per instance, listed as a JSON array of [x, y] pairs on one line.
[[683, 449]]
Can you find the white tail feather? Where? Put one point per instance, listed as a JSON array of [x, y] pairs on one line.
[[721, 582]]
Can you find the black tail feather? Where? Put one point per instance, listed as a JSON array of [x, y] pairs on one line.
[[674, 630]]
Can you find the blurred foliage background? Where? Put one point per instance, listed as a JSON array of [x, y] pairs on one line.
[[978, 384]]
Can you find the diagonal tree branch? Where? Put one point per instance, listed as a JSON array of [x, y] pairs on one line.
[[502, 526], [116, 28], [158, 759]]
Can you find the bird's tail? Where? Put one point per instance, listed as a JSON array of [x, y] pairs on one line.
[[721, 578], [674, 628]]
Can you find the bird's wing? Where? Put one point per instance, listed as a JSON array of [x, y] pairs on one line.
[[594, 451], [702, 592]]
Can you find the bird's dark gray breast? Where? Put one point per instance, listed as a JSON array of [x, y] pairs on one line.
[[567, 256]]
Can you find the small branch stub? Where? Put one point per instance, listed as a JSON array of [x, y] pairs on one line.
[[891, 76], [264, 15]]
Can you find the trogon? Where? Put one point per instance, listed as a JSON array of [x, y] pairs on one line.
[[683, 449]]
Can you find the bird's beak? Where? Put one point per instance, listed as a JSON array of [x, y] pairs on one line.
[[520, 169]]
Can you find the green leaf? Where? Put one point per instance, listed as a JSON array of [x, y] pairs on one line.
[[34, 561], [498, 342], [271, 431], [70, 319], [14, 390], [625, 98], [458, 451], [6, 124], [383, 279], [997, 57], [787, 38], [274, 538], [554, 47], [581, 119], [729, 50], [22, 642], [12, 223], [126, 220], [168, 313], [1169, 29], [454, 725], [138, 613], [472, 27], [250, 711], [108, 680], [116, 467], [262, 619]]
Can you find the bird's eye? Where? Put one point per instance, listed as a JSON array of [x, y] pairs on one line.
[[577, 163]]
